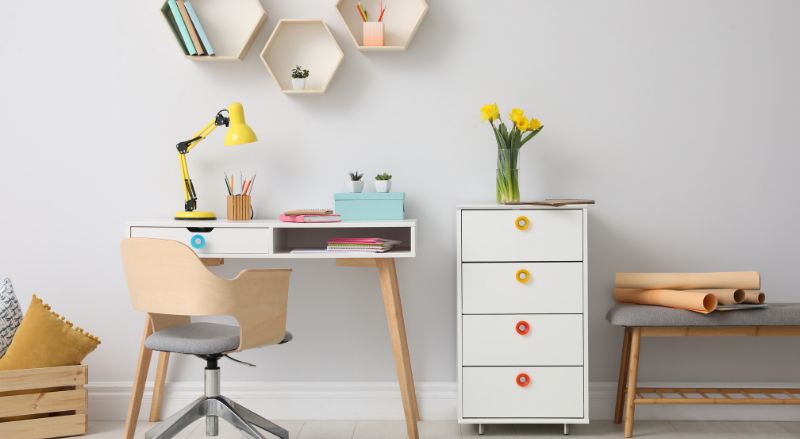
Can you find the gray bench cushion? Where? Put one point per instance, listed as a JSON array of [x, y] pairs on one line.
[[776, 314]]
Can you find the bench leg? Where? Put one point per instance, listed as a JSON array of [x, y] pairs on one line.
[[633, 369], [623, 375]]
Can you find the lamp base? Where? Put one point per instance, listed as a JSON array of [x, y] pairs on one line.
[[195, 215]]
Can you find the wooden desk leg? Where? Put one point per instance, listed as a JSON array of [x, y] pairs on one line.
[[158, 387], [623, 375], [138, 383], [633, 370], [397, 331]]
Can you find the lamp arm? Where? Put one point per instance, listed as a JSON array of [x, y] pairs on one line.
[[189, 194]]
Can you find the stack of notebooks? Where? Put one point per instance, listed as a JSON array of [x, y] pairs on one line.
[[186, 26], [310, 216], [361, 245]]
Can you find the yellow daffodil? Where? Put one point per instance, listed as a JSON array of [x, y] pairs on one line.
[[490, 112], [516, 114], [522, 123], [534, 125]]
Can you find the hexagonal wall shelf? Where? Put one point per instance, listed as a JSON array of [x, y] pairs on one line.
[[230, 25], [401, 21], [308, 43]]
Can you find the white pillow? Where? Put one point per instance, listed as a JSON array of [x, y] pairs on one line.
[[10, 314]]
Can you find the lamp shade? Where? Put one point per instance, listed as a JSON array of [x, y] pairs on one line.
[[238, 132]]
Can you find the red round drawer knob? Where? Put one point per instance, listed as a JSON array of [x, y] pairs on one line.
[[523, 380], [523, 327]]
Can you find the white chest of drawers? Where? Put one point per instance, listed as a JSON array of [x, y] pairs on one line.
[[521, 306]]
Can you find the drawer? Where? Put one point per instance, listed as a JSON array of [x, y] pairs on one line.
[[546, 392], [549, 340], [521, 235], [520, 288], [220, 240]]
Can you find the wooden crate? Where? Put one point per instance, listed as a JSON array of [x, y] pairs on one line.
[[43, 403]]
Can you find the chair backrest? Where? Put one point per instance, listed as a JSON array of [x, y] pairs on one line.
[[167, 278]]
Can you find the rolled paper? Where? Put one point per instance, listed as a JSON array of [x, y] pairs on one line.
[[725, 296], [740, 280], [754, 296], [695, 301]]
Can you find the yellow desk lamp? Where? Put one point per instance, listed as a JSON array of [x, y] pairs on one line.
[[238, 133]]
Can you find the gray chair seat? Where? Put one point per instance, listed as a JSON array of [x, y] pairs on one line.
[[776, 314], [199, 338]]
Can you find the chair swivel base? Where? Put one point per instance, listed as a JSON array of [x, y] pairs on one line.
[[213, 406], [219, 407]]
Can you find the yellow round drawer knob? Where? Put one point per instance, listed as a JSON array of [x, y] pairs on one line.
[[523, 276], [522, 222]]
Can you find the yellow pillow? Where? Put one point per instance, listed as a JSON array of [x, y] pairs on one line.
[[45, 339]]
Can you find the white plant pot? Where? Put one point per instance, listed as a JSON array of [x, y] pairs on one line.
[[299, 83], [355, 186], [383, 185]]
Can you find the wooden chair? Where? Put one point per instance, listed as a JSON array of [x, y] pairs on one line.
[[168, 281]]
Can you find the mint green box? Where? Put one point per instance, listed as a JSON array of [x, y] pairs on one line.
[[370, 206]]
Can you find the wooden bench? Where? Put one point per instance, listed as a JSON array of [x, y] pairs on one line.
[[655, 321]]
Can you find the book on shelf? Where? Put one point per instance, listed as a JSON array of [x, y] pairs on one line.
[[190, 27], [308, 212], [183, 31], [324, 218], [201, 33], [361, 245]]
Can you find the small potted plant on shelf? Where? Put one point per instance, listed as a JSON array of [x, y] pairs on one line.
[[299, 75], [355, 184], [383, 182]]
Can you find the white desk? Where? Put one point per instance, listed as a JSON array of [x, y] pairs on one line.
[[215, 241]]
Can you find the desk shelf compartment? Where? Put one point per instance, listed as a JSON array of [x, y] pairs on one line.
[[308, 43], [401, 21], [231, 27], [311, 238]]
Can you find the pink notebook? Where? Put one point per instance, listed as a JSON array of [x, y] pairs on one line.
[[332, 218], [357, 241]]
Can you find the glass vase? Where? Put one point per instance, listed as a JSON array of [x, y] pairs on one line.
[[507, 175]]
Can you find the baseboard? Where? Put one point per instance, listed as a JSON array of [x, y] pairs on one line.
[[381, 400]]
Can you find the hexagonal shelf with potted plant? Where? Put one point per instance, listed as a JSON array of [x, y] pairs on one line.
[[305, 43], [227, 27], [397, 26]]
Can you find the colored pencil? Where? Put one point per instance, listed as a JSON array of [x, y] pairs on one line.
[[360, 12], [250, 190]]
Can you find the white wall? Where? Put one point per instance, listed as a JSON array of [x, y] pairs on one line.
[[678, 117]]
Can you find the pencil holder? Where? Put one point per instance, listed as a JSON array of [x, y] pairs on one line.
[[373, 33], [239, 208]]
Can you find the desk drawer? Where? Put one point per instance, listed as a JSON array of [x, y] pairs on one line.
[[220, 240], [521, 235], [550, 392], [548, 340], [520, 288]]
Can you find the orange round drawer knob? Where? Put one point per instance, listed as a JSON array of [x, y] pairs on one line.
[[523, 327], [523, 380], [523, 276], [522, 222]]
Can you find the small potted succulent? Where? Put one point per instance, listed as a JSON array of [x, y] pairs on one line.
[[383, 182], [299, 75], [355, 184]]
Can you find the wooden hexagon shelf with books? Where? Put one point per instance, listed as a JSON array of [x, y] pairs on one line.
[[214, 30], [381, 25], [302, 56]]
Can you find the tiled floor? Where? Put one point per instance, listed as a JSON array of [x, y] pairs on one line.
[[451, 430]]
